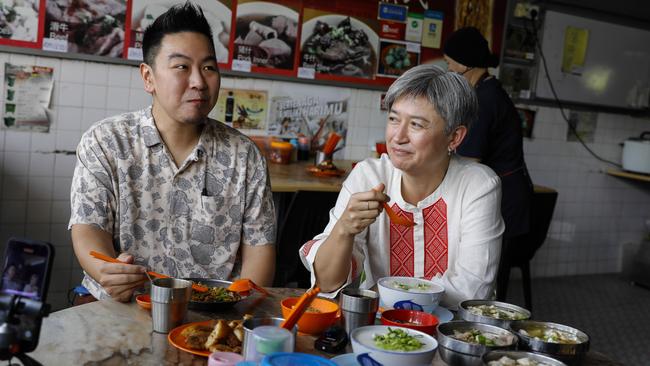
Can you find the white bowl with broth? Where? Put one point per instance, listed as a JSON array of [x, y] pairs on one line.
[[363, 342], [409, 293]]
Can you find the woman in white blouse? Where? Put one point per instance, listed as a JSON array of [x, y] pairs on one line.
[[454, 202]]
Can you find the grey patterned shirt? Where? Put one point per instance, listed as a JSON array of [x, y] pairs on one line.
[[186, 221]]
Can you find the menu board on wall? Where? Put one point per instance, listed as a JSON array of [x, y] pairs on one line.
[[19, 22], [266, 36], [365, 43], [94, 27], [144, 12]]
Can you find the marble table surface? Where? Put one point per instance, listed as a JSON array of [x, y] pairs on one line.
[[111, 333]]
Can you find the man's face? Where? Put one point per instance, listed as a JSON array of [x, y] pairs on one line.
[[184, 80]]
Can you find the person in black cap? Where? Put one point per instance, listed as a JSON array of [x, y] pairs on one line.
[[495, 138]]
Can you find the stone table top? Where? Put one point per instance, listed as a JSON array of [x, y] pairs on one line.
[[112, 333]]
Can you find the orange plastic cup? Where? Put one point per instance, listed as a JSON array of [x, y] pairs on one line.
[[313, 322]]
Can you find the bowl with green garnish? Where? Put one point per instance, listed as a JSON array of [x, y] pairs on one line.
[[393, 345], [463, 343]]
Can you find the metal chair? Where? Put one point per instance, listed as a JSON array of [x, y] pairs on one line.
[[519, 251]]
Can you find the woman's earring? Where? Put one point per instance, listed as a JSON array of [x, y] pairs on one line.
[[449, 150]]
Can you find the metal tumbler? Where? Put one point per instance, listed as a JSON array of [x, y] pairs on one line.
[[359, 308], [169, 299]]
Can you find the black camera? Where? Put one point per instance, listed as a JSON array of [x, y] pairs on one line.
[[25, 280]]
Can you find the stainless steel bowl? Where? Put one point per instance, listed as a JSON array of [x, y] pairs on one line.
[[212, 306], [568, 353], [516, 355], [464, 313], [456, 352]]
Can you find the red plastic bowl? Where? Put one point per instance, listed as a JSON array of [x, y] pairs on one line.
[[411, 319]]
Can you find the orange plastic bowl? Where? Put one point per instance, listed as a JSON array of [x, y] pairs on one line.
[[144, 301], [313, 322], [411, 319]]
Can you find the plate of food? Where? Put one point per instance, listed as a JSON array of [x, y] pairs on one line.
[[217, 298], [203, 338]]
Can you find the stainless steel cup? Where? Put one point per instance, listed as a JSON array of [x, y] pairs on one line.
[[358, 307], [169, 299], [251, 324]]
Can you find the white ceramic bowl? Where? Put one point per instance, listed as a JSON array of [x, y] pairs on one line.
[[391, 296], [362, 342]]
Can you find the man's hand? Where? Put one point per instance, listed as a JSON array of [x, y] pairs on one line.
[[121, 280]]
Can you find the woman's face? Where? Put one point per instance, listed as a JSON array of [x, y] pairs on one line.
[[415, 137]]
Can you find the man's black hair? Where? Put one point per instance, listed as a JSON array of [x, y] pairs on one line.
[[179, 18]]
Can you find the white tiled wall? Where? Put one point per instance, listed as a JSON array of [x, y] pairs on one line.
[[594, 216]]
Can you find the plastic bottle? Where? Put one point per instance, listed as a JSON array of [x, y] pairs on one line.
[[294, 152], [230, 107], [303, 148]]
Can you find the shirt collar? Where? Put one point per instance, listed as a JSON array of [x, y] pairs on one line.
[[150, 133]]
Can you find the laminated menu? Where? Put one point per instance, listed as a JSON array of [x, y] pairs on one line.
[[27, 93]]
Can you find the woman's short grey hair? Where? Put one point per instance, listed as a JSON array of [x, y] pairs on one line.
[[450, 94]]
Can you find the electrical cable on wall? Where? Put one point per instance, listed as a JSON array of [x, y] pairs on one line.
[[572, 128]]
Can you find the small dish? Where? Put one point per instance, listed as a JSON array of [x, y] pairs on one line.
[[411, 319], [144, 301]]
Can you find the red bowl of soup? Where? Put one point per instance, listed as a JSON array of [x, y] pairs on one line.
[[411, 319]]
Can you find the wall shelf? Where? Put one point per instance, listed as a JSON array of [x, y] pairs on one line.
[[628, 175]]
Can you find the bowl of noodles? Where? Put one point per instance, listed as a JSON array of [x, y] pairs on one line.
[[217, 298]]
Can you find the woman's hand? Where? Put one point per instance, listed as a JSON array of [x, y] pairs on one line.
[[362, 210], [120, 280]]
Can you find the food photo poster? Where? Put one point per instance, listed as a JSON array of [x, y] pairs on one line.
[[27, 95], [144, 12]]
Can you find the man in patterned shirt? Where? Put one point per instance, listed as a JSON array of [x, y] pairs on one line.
[[166, 187]]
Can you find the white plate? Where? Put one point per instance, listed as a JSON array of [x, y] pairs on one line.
[[443, 315]]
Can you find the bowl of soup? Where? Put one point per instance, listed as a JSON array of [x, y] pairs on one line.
[[464, 343], [409, 293], [393, 345], [492, 312], [519, 358], [560, 341]]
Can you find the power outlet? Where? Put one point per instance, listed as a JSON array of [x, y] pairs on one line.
[[524, 10]]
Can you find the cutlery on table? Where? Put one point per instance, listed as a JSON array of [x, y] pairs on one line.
[[149, 274], [244, 285]]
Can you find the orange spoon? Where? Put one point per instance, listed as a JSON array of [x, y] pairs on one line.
[[106, 258], [395, 218], [300, 308], [244, 285]]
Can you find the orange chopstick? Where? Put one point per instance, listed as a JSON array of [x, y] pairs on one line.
[[331, 143], [106, 258], [395, 218], [300, 308]]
